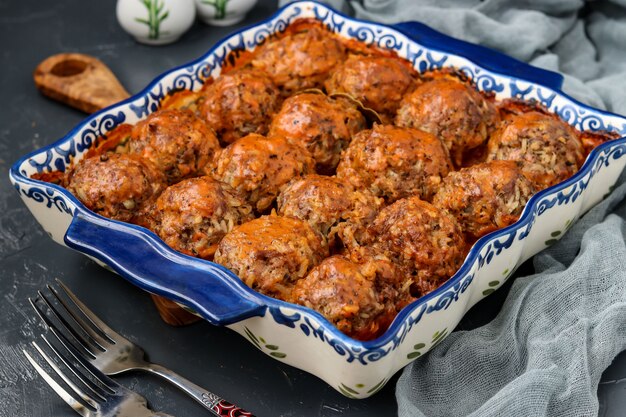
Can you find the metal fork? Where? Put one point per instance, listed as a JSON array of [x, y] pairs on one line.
[[110, 352], [91, 393]]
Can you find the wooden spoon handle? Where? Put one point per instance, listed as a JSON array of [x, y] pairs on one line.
[[79, 80]]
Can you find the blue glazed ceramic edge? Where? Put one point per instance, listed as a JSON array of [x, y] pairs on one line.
[[457, 283]]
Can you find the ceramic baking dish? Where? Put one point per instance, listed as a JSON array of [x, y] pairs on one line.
[[297, 335]]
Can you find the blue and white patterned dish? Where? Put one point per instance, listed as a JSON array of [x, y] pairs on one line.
[[297, 335]]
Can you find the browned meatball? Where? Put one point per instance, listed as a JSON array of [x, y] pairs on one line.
[[321, 124], [193, 215], [549, 148], [395, 162], [451, 110], [239, 103], [378, 82], [423, 239], [258, 167], [271, 253], [331, 205], [176, 141], [300, 60], [117, 186], [359, 298], [485, 197]]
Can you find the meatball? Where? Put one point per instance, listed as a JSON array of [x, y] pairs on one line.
[[321, 124], [258, 167], [425, 240], [378, 82], [239, 103], [271, 253], [485, 197], [176, 141], [301, 59], [395, 162], [331, 205], [117, 186], [451, 110], [550, 149], [359, 298], [193, 215]]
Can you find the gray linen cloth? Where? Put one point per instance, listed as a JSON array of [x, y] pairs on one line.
[[544, 354], [558, 330]]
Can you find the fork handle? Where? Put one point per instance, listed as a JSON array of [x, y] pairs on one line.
[[212, 402]]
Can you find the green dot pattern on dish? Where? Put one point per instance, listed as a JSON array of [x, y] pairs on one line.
[[416, 353], [439, 336], [356, 391], [252, 337], [492, 284], [261, 344], [558, 233], [347, 391], [377, 387]]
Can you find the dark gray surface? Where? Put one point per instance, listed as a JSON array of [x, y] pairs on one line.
[[215, 358]]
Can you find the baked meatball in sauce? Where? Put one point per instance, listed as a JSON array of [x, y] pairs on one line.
[[485, 197], [360, 298], [451, 110], [378, 82], [425, 240], [395, 162], [238, 103], [319, 123], [550, 149], [331, 205], [258, 167], [271, 253], [117, 186], [193, 215], [176, 141], [301, 59]]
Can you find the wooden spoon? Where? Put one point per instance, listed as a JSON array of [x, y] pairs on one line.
[[85, 83], [81, 81]]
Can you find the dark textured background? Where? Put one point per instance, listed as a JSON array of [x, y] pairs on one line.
[[215, 358]]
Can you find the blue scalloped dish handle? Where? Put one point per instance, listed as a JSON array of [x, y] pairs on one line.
[[485, 57], [209, 289]]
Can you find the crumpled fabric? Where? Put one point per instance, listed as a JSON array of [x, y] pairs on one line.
[[559, 329], [544, 354]]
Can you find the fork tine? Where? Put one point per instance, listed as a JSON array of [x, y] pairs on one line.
[[104, 386], [61, 392], [84, 344], [90, 337], [95, 320], [65, 341], [87, 327], [87, 397], [107, 383]]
